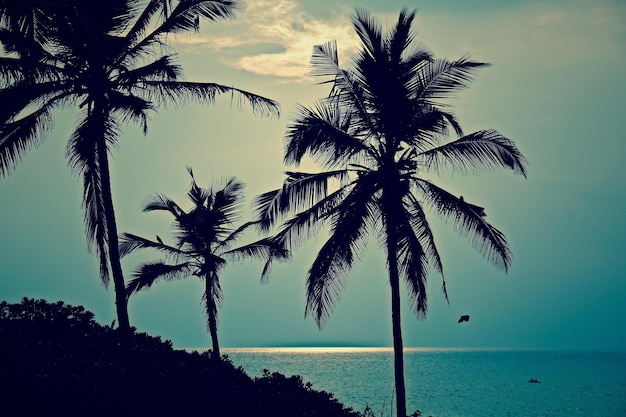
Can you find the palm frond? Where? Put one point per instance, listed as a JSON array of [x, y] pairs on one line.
[[325, 281], [299, 192], [162, 202], [263, 249], [20, 136], [25, 95], [417, 253], [413, 266], [84, 152], [186, 15], [346, 92], [416, 57], [482, 149], [405, 57], [235, 235], [13, 71], [82, 146], [325, 60], [128, 108], [94, 213], [369, 30], [469, 222], [442, 79], [429, 127], [179, 92], [327, 275], [352, 219], [423, 232], [279, 252], [148, 273], [213, 298], [401, 36], [199, 196], [162, 69], [143, 22], [323, 134], [129, 243], [265, 209], [228, 200], [307, 223], [24, 37]]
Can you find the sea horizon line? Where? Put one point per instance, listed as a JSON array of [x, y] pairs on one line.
[[357, 349]]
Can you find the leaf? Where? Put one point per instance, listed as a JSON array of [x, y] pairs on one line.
[[148, 273], [483, 149]]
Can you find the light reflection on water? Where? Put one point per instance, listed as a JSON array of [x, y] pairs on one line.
[[307, 350], [456, 382]]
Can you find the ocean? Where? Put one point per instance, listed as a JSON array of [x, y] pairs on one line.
[[456, 382]]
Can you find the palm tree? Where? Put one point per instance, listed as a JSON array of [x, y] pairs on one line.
[[112, 62], [204, 241], [382, 127]]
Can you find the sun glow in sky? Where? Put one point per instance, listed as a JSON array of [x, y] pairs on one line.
[[556, 87]]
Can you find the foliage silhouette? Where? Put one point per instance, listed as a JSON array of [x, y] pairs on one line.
[[55, 358], [112, 62], [204, 243], [383, 125]]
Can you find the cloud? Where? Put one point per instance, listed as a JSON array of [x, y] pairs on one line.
[[283, 24], [275, 38]]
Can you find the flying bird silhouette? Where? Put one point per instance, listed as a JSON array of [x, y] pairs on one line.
[[463, 318]]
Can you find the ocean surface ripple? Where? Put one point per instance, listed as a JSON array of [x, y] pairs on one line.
[[457, 382]]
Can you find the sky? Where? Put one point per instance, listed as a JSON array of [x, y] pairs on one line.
[[556, 87]]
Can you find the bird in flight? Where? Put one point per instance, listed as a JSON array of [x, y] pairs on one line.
[[463, 318]]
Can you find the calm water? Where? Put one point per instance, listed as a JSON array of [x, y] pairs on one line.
[[451, 383]]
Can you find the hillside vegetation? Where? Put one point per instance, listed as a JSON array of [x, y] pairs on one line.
[[56, 359]]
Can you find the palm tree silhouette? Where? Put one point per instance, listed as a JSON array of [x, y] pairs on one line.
[[383, 125], [204, 239], [112, 62]]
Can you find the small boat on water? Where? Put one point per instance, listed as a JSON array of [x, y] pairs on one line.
[[534, 381]]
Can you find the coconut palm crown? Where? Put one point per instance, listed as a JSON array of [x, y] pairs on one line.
[[383, 126], [114, 64], [204, 243]]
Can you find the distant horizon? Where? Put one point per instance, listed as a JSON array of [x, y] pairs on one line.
[[348, 348]]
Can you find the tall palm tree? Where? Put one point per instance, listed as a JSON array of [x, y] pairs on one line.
[[112, 61], [204, 239], [382, 127]]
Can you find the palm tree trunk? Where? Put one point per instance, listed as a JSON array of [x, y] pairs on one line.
[[211, 309], [398, 348], [391, 206], [214, 342], [114, 254]]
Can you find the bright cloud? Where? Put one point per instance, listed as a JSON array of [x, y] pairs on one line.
[[281, 23], [533, 29]]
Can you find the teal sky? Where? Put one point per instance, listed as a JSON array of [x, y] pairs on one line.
[[556, 86]]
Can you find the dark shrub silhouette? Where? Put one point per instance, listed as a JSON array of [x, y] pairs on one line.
[[55, 359]]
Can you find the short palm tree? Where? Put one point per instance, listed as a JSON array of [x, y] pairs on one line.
[[383, 126], [112, 62], [204, 243]]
